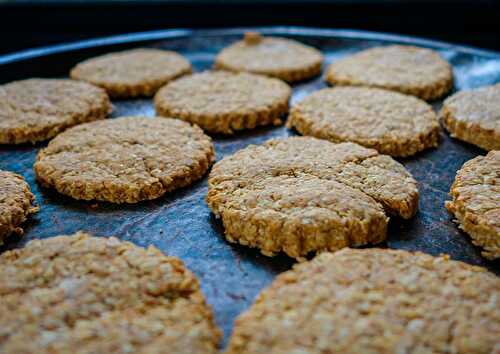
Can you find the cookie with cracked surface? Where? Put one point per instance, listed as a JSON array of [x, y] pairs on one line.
[[476, 202], [224, 102], [38, 109], [125, 160], [17, 203], [283, 58], [390, 122], [132, 73], [374, 301], [474, 116], [84, 294], [412, 70], [301, 195]]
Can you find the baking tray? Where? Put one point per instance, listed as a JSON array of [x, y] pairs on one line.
[[180, 223]]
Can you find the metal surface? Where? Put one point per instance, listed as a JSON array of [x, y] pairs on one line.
[[181, 224]]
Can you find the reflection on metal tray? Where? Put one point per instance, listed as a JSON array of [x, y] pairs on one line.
[[180, 224]]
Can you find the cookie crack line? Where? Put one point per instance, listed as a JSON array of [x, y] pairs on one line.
[[300, 195], [305, 173], [358, 161]]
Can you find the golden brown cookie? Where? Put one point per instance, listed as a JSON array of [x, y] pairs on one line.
[[476, 202], [390, 122], [300, 195], [38, 109], [132, 73], [375, 301], [283, 58], [125, 160], [223, 102], [83, 294], [412, 70], [474, 116], [16, 204]]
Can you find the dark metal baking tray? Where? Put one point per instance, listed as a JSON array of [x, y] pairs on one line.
[[181, 224]]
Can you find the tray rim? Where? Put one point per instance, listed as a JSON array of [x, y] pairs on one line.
[[135, 37]]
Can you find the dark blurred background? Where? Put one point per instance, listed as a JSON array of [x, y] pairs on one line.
[[28, 23]]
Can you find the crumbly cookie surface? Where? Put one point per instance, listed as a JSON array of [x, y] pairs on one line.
[[38, 109], [374, 301], [390, 122], [132, 73], [283, 58], [474, 116], [125, 160], [224, 102], [300, 195], [412, 70], [16, 204], [476, 202], [83, 294]]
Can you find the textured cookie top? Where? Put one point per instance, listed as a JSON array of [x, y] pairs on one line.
[[476, 201], [213, 99], [38, 109], [136, 72], [284, 58], [374, 301], [82, 294], [474, 116], [477, 186], [390, 122], [365, 180], [480, 106], [217, 92], [126, 159], [16, 203], [412, 70]]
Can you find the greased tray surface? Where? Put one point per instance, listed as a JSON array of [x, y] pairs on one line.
[[180, 224]]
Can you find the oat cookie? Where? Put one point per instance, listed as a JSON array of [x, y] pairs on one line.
[[283, 58], [38, 109], [374, 301], [83, 294], [125, 160], [476, 202], [223, 102], [300, 195], [412, 70], [391, 122], [132, 73], [16, 204], [474, 116]]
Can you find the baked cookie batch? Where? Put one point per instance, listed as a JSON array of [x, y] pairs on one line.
[[333, 188]]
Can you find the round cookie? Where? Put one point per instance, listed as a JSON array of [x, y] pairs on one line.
[[374, 301], [16, 204], [132, 73], [301, 195], [38, 109], [476, 202], [390, 122], [223, 102], [83, 294], [474, 116], [412, 70], [125, 160], [283, 58]]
